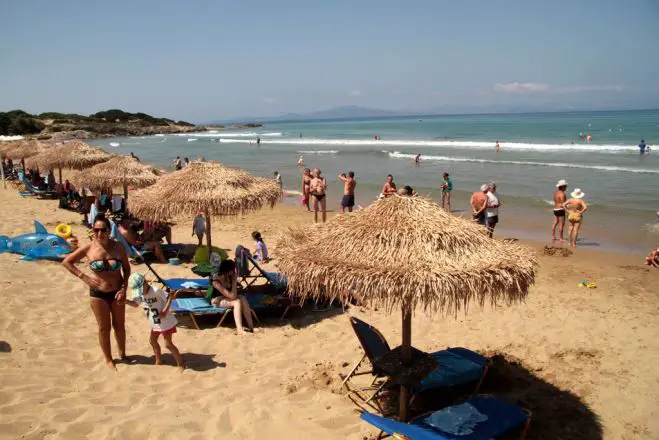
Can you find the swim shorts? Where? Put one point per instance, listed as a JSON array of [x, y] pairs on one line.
[[480, 218], [492, 221], [559, 212], [348, 200]]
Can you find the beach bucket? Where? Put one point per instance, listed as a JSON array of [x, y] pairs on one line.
[[174, 261]]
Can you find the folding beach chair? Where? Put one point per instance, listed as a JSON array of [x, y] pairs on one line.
[[194, 307], [249, 271], [42, 193], [455, 366], [479, 418]]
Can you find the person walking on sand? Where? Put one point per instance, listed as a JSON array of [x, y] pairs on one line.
[[110, 269], [479, 204], [447, 187], [306, 188], [156, 306], [492, 210], [199, 226], [389, 187], [349, 185], [559, 210], [177, 163], [318, 187], [280, 184], [575, 207]]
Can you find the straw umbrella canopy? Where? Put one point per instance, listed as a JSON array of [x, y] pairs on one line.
[[216, 189], [74, 155], [25, 150], [403, 253], [123, 171]]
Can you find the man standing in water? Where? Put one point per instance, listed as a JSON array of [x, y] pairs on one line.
[[177, 163], [349, 184], [492, 210], [559, 210], [479, 204], [642, 147], [389, 188]]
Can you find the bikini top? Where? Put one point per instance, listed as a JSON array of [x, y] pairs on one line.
[[105, 265]]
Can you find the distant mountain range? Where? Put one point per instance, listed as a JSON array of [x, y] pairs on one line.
[[354, 111]]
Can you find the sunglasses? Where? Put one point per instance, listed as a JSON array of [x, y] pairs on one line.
[[99, 230]]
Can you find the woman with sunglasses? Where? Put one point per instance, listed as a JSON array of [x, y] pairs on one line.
[[107, 283]]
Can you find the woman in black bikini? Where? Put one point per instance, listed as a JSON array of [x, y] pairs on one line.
[[317, 187], [107, 282]]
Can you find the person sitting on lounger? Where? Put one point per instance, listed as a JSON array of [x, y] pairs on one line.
[[134, 239], [225, 294]]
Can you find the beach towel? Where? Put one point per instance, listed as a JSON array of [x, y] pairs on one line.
[[242, 261]]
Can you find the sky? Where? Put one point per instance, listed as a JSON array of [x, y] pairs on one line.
[[212, 60]]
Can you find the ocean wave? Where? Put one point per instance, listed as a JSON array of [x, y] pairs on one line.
[[399, 155], [477, 145], [114, 144], [193, 140], [318, 152]]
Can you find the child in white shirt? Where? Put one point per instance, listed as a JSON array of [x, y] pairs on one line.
[[156, 305], [261, 252]]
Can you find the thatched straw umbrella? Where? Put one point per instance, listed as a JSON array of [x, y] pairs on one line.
[[403, 253], [212, 187], [123, 171], [26, 149], [74, 155]]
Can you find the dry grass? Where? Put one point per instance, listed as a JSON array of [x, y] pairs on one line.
[[119, 171], [404, 252], [218, 189]]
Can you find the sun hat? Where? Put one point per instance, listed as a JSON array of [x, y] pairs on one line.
[[135, 285], [485, 187], [561, 182], [577, 194]]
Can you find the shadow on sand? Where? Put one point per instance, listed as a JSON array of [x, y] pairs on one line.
[[5, 347], [193, 361], [556, 413]]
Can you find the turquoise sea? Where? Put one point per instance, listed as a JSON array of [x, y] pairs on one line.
[[536, 150]]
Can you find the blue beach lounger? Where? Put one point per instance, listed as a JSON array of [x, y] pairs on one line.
[[479, 418], [455, 366], [193, 307]]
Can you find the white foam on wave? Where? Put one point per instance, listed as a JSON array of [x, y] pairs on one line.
[[399, 155], [223, 134], [114, 144], [4, 138], [193, 140], [159, 134], [479, 145], [318, 152]]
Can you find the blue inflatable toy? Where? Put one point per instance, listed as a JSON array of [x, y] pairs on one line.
[[37, 246]]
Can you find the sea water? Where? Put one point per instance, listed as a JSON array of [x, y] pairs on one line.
[[536, 150]]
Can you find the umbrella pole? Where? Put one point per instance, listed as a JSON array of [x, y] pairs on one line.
[[406, 359], [208, 233], [125, 192], [2, 171], [60, 175]]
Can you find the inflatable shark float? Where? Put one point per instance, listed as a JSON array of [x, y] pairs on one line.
[[39, 245]]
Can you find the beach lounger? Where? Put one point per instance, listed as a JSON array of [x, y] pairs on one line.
[[479, 418], [194, 307], [44, 193], [455, 366]]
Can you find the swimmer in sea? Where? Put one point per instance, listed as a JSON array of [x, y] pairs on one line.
[[496, 147], [417, 159]]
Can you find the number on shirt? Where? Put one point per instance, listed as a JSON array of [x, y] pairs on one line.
[[155, 315]]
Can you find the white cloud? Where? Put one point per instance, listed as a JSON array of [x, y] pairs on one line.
[[516, 87], [269, 100], [355, 93]]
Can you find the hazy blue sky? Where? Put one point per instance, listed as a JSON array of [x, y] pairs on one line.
[[204, 60]]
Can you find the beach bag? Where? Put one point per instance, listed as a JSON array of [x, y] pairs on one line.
[[304, 200]]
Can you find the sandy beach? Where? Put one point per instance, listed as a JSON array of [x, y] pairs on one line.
[[583, 360]]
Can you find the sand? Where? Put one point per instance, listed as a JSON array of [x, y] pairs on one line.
[[584, 360]]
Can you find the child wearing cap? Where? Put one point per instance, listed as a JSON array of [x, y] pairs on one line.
[[156, 305]]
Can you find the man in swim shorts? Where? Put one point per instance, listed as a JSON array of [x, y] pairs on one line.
[[559, 211], [349, 184], [642, 147], [318, 186], [479, 204]]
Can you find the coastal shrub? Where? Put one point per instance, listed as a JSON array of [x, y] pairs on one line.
[[185, 124], [24, 125], [5, 122], [56, 128]]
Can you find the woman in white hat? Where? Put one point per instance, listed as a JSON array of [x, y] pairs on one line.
[[575, 207]]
